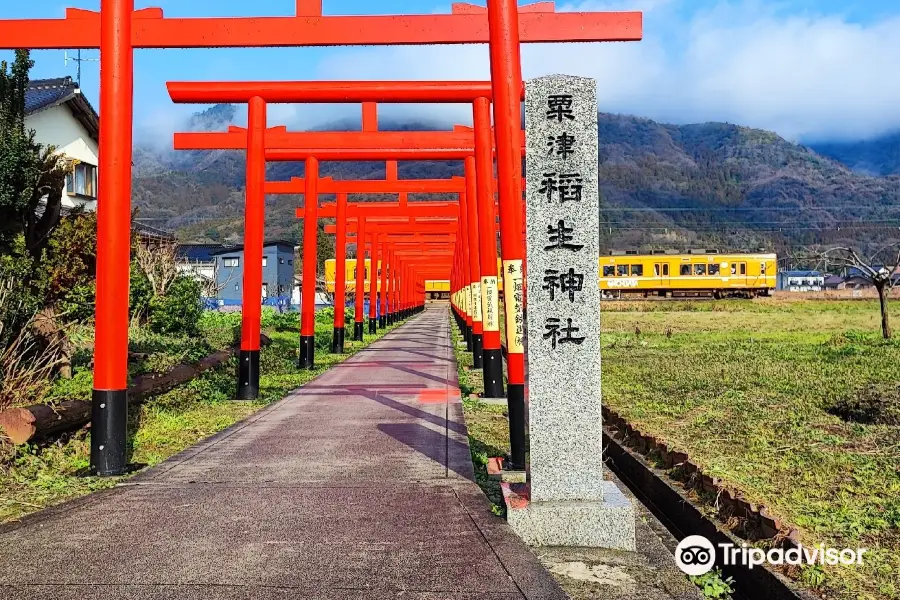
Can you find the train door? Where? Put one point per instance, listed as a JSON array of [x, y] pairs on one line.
[[738, 275], [661, 272]]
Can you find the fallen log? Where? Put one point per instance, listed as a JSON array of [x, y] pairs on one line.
[[22, 425]]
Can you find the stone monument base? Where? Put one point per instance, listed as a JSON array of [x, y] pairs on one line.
[[607, 523]]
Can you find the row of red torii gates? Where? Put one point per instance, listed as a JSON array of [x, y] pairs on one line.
[[414, 241]]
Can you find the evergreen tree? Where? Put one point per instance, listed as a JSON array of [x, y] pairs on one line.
[[29, 173]]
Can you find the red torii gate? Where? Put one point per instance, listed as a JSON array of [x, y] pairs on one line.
[[400, 242], [298, 186], [256, 139], [512, 246], [277, 137], [369, 93], [118, 29]]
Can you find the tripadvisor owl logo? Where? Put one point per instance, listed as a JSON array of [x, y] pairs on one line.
[[696, 555]]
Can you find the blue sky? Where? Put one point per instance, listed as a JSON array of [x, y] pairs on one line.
[[808, 69]]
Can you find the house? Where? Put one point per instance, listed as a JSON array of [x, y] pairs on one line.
[[801, 281], [278, 272], [199, 261], [62, 117], [834, 282]]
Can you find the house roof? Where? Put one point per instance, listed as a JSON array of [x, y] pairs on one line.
[[47, 93], [833, 279], [240, 248], [199, 252]]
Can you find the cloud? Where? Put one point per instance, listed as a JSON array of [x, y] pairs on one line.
[[806, 76]]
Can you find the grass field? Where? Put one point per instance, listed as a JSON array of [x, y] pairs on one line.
[[747, 389]]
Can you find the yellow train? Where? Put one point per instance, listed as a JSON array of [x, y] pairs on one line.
[[692, 274], [642, 275]]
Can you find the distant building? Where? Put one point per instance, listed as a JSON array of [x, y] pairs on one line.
[[834, 282], [62, 117], [199, 262], [801, 281], [277, 268]]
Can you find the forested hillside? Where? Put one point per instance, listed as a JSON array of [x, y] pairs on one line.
[[713, 184]]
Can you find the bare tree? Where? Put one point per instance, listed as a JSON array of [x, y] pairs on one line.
[[158, 260], [878, 268], [211, 285]]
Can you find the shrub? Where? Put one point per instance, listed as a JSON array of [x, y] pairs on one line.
[[140, 295], [179, 311], [78, 303]]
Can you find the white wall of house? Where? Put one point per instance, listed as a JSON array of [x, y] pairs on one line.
[[56, 126]]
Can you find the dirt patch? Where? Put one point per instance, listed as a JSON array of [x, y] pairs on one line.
[[876, 404]]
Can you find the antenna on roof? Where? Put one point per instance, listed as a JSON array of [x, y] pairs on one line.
[[78, 60]]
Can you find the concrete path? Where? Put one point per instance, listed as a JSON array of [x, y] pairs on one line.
[[358, 485]]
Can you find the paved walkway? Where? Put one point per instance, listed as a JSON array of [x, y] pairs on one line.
[[359, 485]]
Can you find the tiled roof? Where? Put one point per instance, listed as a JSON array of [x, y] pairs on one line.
[[42, 93], [46, 93]]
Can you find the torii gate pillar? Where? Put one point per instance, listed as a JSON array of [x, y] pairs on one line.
[[109, 413]]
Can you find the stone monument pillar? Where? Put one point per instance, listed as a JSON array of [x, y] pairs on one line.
[[567, 502]]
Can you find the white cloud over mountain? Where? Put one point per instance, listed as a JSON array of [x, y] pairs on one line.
[[805, 76]]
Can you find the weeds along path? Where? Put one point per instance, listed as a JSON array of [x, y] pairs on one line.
[[37, 476]]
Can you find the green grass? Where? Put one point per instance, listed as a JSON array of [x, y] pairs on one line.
[[487, 425], [36, 476], [744, 388]]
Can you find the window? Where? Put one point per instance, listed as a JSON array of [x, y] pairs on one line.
[[82, 181], [637, 270], [621, 270], [609, 271], [743, 268], [231, 262], [656, 270], [714, 269], [685, 269], [237, 287], [762, 268], [291, 261], [699, 269], [734, 268], [265, 261], [280, 261], [354, 272], [265, 290], [666, 269]]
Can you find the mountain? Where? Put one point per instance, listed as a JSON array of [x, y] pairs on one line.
[[662, 186], [879, 156]]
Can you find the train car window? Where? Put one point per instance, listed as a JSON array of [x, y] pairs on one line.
[[734, 268], [637, 270], [714, 269], [666, 270], [699, 269], [656, 270], [685, 269], [743, 268], [609, 271], [622, 270], [762, 268]]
